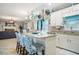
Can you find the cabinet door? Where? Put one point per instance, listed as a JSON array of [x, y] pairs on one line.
[[59, 41], [63, 41], [50, 46], [75, 39], [74, 47], [74, 44]]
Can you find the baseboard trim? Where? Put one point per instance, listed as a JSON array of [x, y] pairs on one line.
[[67, 50]]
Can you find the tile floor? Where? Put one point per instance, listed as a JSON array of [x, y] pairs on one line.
[[8, 47], [63, 52]]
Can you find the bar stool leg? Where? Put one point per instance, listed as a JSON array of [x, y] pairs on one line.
[[26, 52], [43, 52], [22, 50], [17, 47]]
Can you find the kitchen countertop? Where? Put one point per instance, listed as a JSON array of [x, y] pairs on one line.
[[67, 32], [39, 36]]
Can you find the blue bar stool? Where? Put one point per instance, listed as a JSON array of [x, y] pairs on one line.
[[40, 47], [22, 48], [18, 42], [31, 50]]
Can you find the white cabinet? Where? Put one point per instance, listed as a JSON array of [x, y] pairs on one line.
[[57, 40], [69, 42], [74, 43], [62, 41], [50, 46]]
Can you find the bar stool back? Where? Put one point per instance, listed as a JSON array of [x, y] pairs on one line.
[[29, 47]]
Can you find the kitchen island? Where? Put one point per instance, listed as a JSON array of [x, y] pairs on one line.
[[48, 40]]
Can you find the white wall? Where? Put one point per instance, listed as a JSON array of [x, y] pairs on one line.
[[57, 17]]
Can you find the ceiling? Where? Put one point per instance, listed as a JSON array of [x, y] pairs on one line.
[[21, 10]]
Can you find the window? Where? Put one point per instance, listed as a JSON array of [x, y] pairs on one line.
[[71, 22]]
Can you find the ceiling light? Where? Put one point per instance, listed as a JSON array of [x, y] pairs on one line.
[[49, 4], [9, 17]]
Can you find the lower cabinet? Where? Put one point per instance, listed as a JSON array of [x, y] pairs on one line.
[[69, 42], [74, 43], [62, 41]]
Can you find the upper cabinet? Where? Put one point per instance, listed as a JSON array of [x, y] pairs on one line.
[[57, 17]]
